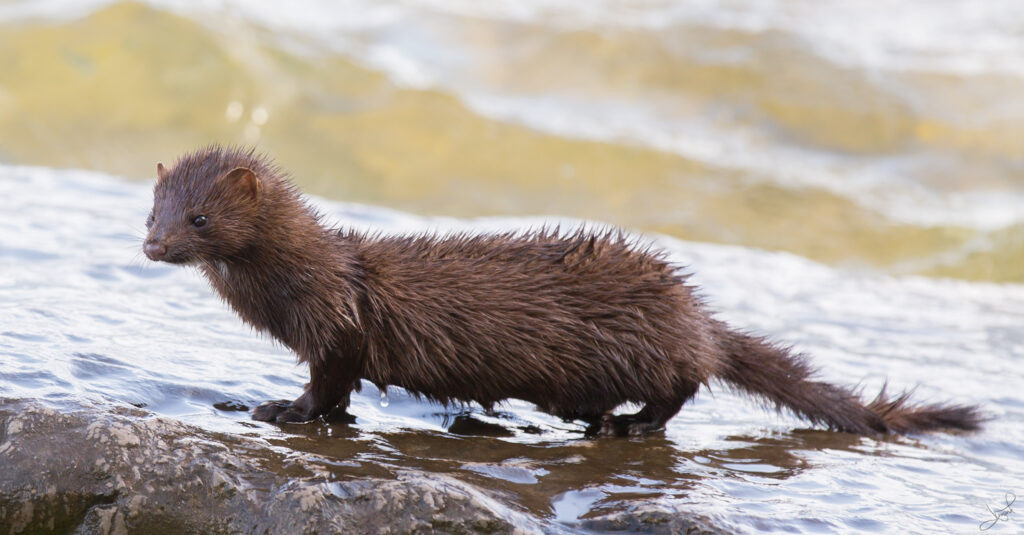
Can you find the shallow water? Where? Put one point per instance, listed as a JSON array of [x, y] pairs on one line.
[[83, 316], [855, 134]]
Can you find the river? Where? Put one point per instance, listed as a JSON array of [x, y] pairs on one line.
[[87, 319], [842, 177]]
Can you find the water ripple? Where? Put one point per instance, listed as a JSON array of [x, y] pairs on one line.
[[92, 323]]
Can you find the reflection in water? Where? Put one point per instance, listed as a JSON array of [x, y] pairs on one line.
[[564, 479], [534, 475]]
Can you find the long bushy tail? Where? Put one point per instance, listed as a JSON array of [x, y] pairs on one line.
[[776, 375]]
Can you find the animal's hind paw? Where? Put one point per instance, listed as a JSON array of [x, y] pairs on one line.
[[623, 425]]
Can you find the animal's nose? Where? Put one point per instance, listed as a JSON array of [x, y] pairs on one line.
[[155, 251]]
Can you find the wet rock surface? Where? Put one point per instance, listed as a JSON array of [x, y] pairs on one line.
[[102, 470]]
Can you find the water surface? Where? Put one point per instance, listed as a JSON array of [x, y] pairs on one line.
[[84, 317], [856, 134]]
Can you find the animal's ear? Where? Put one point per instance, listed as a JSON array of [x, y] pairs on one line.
[[161, 172], [244, 180]]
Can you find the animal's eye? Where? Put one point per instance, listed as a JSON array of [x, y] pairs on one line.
[[150, 220], [199, 220]]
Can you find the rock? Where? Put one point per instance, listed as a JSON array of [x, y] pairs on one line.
[[654, 519], [119, 471], [93, 471]]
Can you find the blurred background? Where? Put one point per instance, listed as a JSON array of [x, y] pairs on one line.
[[867, 136]]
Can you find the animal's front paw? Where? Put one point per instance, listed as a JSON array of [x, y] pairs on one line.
[[268, 410], [293, 415], [280, 411]]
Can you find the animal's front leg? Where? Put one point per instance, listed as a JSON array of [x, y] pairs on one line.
[[327, 388]]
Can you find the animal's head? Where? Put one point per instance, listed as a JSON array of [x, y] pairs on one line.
[[206, 207]]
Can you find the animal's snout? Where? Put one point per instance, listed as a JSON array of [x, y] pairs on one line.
[[154, 250]]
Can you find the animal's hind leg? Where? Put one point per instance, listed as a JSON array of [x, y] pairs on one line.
[[652, 417], [595, 423], [592, 416]]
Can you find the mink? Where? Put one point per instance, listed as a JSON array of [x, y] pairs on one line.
[[576, 322]]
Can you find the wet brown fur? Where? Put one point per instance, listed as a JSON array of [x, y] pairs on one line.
[[575, 323]]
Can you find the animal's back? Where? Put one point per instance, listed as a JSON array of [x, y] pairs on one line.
[[576, 324]]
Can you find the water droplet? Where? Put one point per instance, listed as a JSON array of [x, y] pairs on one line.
[[384, 402]]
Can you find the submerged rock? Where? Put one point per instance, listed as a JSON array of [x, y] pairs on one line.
[[119, 471]]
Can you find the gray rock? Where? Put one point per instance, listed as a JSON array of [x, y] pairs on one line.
[[125, 471], [656, 519], [118, 471]]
